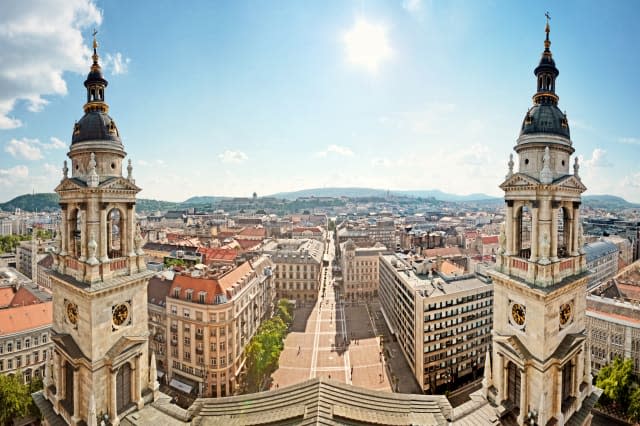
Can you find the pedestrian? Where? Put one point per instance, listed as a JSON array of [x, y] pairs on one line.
[[329, 376]]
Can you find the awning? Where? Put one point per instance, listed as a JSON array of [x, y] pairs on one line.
[[160, 374], [183, 387]]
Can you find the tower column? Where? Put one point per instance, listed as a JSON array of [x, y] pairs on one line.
[[130, 230], [104, 256], [138, 383], [559, 414], [76, 395], [114, 407], [576, 230], [58, 381], [523, 395], [535, 252], [554, 231], [64, 234], [508, 228], [83, 236]]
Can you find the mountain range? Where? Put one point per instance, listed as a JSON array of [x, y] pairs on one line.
[[49, 201]]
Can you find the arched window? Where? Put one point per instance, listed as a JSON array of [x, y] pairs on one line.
[[523, 232], [75, 233], [564, 232], [115, 226]]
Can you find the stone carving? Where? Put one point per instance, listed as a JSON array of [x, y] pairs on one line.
[[92, 179], [138, 240], [129, 171], [580, 239], [92, 419], [544, 249], [65, 170], [510, 164], [502, 239], [576, 167], [92, 246], [545, 174]]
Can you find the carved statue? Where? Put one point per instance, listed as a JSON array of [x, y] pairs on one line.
[[510, 164], [580, 239], [576, 167], [92, 162], [92, 246], [92, 179], [65, 170], [502, 239], [546, 176], [544, 249], [138, 240], [129, 171]]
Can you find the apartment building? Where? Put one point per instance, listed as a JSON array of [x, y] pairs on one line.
[[24, 255], [360, 270], [602, 261], [613, 319], [26, 315], [297, 267], [443, 327], [157, 292], [212, 315]]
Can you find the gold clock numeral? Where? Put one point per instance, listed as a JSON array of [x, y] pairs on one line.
[[518, 313]]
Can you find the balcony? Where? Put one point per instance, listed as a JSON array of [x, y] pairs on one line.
[[174, 327], [199, 336], [199, 351], [174, 343]]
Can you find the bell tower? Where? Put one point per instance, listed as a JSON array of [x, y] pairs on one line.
[[540, 366], [100, 279]]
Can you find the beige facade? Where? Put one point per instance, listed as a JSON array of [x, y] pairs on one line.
[[210, 320], [443, 328], [297, 267], [24, 257], [360, 270]]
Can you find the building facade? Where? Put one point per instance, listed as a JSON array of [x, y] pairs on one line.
[[211, 317], [359, 267], [297, 268], [443, 328], [25, 326], [602, 261], [540, 360]]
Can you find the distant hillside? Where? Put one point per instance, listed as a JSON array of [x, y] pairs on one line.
[[33, 202], [607, 202], [49, 202], [204, 199], [371, 192]]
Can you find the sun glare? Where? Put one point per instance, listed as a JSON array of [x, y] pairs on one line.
[[367, 45]]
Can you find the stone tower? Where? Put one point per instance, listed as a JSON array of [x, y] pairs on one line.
[[100, 359], [540, 367]]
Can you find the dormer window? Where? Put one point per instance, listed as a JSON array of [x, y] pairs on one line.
[[202, 296], [189, 295], [76, 129], [176, 292]]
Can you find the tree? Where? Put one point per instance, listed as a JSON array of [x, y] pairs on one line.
[[284, 311], [15, 399], [633, 411], [615, 380]]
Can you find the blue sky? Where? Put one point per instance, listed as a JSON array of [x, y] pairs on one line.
[[227, 98]]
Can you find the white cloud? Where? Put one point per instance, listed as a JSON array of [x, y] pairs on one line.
[[336, 149], [367, 45], [412, 6], [630, 141], [598, 159], [24, 148], [17, 171], [56, 144], [39, 41], [632, 180], [116, 63], [476, 155], [143, 163], [229, 156]]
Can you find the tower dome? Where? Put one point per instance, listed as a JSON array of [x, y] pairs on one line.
[[96, 124], [545, 116]]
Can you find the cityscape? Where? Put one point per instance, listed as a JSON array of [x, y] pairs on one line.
[[396, 268]]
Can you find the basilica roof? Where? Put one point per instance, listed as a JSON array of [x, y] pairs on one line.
[[545, 118], [96, 126]]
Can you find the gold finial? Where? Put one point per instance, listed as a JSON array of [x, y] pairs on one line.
[[547, 42], [95, 49], [95, 42]]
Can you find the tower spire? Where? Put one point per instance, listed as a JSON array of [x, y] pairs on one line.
[[546, 72], [95, 82]]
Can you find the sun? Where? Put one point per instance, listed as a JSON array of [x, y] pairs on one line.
[[367, 45]]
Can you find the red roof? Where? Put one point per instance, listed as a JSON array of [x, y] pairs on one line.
[[253, 232], [24, 297], [23, 318], [489, 239], [247, 244], [444, 251], [213, 254], [313, 229], [212, 286], [6, 296]]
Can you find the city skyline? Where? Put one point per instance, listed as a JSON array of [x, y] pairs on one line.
[[242, 97]]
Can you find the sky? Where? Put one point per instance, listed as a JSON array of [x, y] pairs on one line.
[[231, 97]]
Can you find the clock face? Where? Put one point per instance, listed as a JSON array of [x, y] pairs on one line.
[[120, 314], [72, 313], [565, 313], [518, 313]]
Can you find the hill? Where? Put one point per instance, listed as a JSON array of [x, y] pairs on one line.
[[371, 192], [49, 202], [609, 202]]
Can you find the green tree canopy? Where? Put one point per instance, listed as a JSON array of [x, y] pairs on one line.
[[615, 380], [15, 398]]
